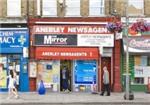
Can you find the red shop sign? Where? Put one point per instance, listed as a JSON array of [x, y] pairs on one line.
[[67, 53]]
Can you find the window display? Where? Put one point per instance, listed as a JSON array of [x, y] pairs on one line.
[[85, 74], [48, 71], [141, 69]]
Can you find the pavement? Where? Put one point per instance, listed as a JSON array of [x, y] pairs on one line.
[[72, 98]]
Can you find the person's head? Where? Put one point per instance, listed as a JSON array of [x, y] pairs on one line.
[[105, 68], [65, 67]]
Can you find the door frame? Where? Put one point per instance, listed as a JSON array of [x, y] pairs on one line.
[[106, 61], [69, 64]]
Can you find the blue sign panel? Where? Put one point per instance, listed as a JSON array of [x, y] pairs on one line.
[[85, 72], [14, 38]]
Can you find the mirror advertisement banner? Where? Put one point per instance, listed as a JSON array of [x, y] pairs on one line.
[[57, 40]]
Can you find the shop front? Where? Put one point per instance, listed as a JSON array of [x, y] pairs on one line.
[[81, 65], [139, 62], [82, 49], [14, 55]]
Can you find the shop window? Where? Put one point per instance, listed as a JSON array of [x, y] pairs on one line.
[[96, 7], [49, 8], [13, 8], [139, 80], [136, 7], [144, 60], [72, 8]]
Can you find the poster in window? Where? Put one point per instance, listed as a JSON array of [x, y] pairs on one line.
[[33, 69], [3, 77]]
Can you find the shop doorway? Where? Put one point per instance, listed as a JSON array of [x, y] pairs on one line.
[[105, 61], [65, 75]]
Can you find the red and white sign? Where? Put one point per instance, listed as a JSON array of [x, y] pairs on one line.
[[70, 29], [67, 53]]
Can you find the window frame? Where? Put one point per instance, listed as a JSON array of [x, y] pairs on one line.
[[15, 12], [142, 8], [51, 8], [101, 8], [73, 6]]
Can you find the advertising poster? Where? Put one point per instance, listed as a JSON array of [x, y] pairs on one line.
[[33, 69], [85, 72], [49, 72], [3, 77]]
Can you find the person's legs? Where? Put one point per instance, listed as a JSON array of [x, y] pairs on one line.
[[103, 90], [15, 92], [108, 90], [9, 93]]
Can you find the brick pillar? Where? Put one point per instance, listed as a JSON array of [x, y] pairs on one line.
[[117, 67]]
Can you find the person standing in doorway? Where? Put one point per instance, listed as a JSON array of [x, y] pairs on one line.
[[64, 74], [106, 86]]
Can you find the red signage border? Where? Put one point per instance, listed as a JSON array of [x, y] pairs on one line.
[[67, 53]]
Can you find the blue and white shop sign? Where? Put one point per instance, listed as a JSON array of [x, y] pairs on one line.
[[14, 38]]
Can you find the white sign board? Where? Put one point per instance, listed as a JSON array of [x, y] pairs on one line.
[[105, 40], [142, 71]]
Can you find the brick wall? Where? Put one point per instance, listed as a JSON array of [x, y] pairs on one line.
[[118, 5]]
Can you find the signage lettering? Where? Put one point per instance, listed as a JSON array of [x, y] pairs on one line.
[[7, 40], [49, 29], [70, 29], [64, 54], [6, 33], [54, 39], [14, 38], [87, 30], [141, 43]]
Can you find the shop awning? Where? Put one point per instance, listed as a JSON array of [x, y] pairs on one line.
[[71, 53]]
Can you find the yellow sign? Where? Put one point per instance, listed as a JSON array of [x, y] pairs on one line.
[[3, 79]]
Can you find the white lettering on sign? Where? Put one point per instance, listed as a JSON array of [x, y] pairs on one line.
[[64, 54], [141, 43], [50, 29], [7, 40], [71, 29], [50, 54], [87, 30], [6, 33], [54, 40], [73, 54]]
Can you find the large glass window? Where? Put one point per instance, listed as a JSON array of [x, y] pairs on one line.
[[13, 8], [96, 7], [136, 7], [72, 8], [85, 75], [49, 8]]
